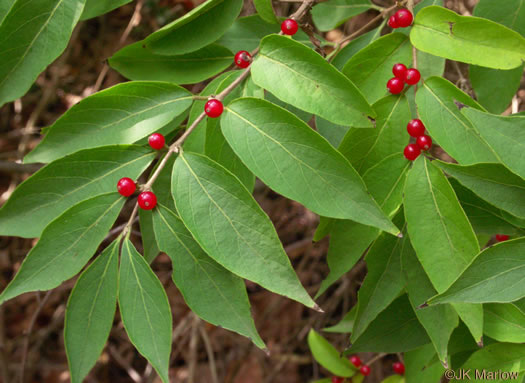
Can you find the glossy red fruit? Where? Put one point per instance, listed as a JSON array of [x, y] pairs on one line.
[[243, 59], [399, 368], [289, 27], [392, 22], [412, 76], [502, 237], [213, 108], [147, 200], [416, 128], [424, 142], [337, 379], [395, 85], [355, 360], [156, 141], [365, 370], [404, 18], [399, 70], [411, 152], [126, 186]]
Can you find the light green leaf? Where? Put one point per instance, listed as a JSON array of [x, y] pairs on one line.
[[495, 276], [66, 245], [371, 67], [469, 39], [492, 182], [333, 133], [145, 309], [122, 114], [298, 163], [299, 76], [67, 181], [136, 62], [221, 297], [505, 135], [90, 311], [354, 46], [510, 13], [228, 224], [504, 322], [32, 35], [346, 324], [438, 227], [394, 379], [328, 357], [196, 29], [96, 8], [330, 14], [436, 100], [265, 10]]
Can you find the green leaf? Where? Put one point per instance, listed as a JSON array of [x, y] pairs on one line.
[[196, 29], [492, 182], [396, 329], [122, 114], [305, 116], [366, 147], [265, 10], [371, 67], [228, 224], [67, 181], [136, 62], [90, 312], [436, 100], [504, 322], [32, 36], [65, 245], [438, 227], [298, 163], [149, 243], [510, 13], [333, 133], [469, 39], [221, 297], [145, 309], [419, 367], [495, 276], [438, 321], [394, 379], [299, 76], [346, 324], [505, 135], [96, 8], [354, 46], [331, 14], [328, 357]]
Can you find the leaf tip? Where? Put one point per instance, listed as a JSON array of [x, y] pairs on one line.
[[422, 306], [317, 308], [444, 363], [399, 235], [267, 352], [480, 343], [460, 105]]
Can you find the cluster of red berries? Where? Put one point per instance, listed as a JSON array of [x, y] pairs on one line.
[[416, 129], [398, 367], [401, 19], [402, 76]]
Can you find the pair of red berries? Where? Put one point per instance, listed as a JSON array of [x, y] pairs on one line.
[[401, 19], [416, 129], [402, 75], [502, 237], [147, 200], [357, 362]]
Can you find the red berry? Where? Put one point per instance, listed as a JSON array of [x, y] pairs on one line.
[[412, 76], [355, 360], [147, 200], [337, 379], [404, 18], [399, 70], [502, 237], [392, 22], [365, 370], [395, 85], [411, 152], [126, 186], [213, 108], [289, 27], [416, 128], [243, 59], [156, 141], [424, 142], [399, 368]]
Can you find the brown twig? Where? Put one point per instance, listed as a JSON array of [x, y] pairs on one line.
[[209, 352], [132, 373]]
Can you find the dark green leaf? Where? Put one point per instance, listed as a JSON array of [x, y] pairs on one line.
[[122, 114], [328, 357], [345, 325], [90, 311], [145, 309], [354, 46], [228, 224], [333, 133], [419, 367], [497, 358], [510, 13], [330, 14], [265, 10], [149, 243], [96, 8], [66, 245]]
